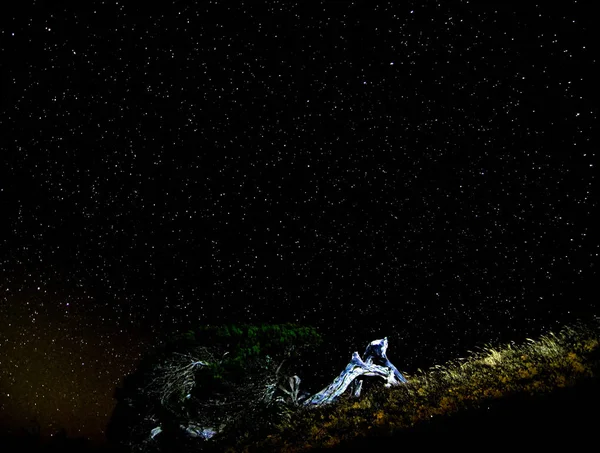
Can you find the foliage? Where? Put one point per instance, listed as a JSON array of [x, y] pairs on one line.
[[245, 340], [244, 348]]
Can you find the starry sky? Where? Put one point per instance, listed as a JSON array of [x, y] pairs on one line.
[[422, 170]]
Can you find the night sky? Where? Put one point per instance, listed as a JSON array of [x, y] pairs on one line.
[[422, 170]]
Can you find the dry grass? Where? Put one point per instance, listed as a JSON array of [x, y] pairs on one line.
[[536, 367]]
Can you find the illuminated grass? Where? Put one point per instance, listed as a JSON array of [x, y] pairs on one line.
[[536, 367]]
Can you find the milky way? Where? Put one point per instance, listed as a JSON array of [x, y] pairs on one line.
[[424, 171]]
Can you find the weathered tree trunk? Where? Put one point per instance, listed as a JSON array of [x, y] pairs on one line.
[[376, 363]]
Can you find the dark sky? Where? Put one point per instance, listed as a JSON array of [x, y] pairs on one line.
[[422, 170]]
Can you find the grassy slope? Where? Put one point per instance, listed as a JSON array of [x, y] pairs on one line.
[[545, 391]]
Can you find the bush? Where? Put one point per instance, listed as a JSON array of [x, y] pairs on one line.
[[220, 377]]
